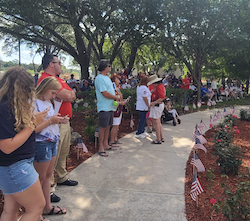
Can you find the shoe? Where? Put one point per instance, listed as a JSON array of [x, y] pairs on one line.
[[149, 131], [156, 142], [68, 182], [174, 123], [179, 121], [140, 136], [145, 134], [103, 154], [53, 212], [54, 198]]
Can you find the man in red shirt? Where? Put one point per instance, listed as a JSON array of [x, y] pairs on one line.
[[52, 67], [186, 82]]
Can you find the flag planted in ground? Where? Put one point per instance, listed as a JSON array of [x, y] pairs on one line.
[[198, 145], [196, 187], [232, 110], [80, 144], [225, 112], [202, 126], [197, 163], [132, 123], [198, 135], [97, 132]]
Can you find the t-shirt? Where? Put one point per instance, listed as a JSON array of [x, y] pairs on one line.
[[203, 91], [66, 107], [7, 130], [50, 132], [159, 92], [103, 83], [142, 91], [185, 83]]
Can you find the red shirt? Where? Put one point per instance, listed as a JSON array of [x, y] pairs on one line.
[[66, 107], [159, 92], [185, 83]]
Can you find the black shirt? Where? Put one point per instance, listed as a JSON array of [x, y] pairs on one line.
[[7, 121]]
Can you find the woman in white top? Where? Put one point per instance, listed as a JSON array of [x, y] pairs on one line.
[[47, 137], [142, 105]]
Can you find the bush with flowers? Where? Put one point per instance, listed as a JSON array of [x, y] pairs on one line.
[[229, 156]]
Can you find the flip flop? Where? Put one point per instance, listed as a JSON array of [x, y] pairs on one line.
[[162, 140], [52, 211], [103, 154], [156, 142], [118, 142], [111, 148], [113, 144]]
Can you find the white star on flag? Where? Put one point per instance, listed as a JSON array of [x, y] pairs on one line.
[[198, 145]]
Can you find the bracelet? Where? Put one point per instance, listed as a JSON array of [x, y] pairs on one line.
[[49, 121], [34, 125]]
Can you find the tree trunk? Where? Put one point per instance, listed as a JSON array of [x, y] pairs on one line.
[[84, 64], [132, 57]]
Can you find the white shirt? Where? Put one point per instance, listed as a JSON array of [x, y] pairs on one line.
[[141, 92]]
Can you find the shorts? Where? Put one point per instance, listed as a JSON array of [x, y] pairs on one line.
[[44, 151], [117, 120], [18, 176], [156, 112], [105, 118]]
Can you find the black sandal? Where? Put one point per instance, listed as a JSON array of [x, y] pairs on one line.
[[162, 140], [103, 154], [156, 142], [179, 121]]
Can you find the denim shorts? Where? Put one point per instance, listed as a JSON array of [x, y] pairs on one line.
[[18, 176], [45, 150]]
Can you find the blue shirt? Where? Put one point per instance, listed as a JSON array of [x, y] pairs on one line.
[[203, 91], [103, 83]]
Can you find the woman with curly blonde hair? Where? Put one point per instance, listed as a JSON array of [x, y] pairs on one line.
[[19, 180]]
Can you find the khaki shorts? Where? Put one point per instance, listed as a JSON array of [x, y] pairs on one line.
[[156, 112]]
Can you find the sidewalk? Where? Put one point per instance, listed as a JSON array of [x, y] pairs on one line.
[[138, 182]]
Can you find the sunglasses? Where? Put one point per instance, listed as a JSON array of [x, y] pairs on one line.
[[54, 62]]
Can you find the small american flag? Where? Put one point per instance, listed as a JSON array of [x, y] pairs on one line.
[[194, 132], [132, 123], [209, 103], [80, 144], [200, 137], [225, 112], [186, 108], [199, 103], [202, 126], [213, 102], [198, 145], [97, 132], [194, 106], [215, 118], [218, 115], [75, 105], [196, 188], [197, 163], [232, 110]]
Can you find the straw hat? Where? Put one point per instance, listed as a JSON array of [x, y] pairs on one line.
[[153, 78]]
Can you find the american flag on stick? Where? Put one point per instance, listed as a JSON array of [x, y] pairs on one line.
[[209, 103], [215, 118], [197, 163], [194, 106], [211, 122], [198, 145], [232, 110], [80, 144], [213, 102], [194, 132], [225, 112], [97, 132], [202, 126], [199, 103], [196, 188], [218, 115], [198, 135], [132, 123]]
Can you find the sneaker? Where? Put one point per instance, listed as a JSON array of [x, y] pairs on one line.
[[145, 134], [149, 131], [140, 136]]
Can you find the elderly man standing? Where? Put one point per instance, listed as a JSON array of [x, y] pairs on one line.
[[105, 95], [52, 67]]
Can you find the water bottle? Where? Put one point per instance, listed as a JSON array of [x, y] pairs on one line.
[[115, 105]]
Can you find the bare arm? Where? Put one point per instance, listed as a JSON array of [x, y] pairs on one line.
[[109, 95], [159, 100], [66, 95], [145, 99]]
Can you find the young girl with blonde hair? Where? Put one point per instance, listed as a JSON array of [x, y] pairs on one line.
[[47, 139], [19, 180]]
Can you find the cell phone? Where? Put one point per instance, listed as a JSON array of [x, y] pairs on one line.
[[66, 116], [128, 99]]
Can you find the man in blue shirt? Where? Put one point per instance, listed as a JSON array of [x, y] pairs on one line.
[[105, 95]]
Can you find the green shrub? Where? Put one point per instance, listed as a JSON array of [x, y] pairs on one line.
[[236, 205], [244, 115], [89, 130], [229, 158]]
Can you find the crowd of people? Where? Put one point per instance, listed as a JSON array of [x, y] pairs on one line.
[[35, 126]]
